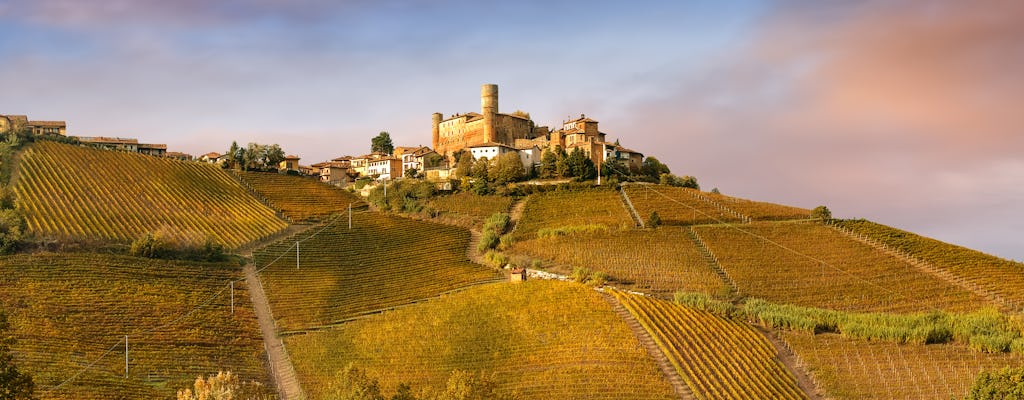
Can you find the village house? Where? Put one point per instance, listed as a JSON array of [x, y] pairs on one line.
[[361, 164], [385, 168], [158, 150], [334, 172], [8, 122], [290, 163], [414, 158], [211, 157], [124, 144]]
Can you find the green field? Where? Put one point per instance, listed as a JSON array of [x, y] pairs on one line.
[[299, 198], [72, 193], [72, 311], [382, 262], [541, 340]]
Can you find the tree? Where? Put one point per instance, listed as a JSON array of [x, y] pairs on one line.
[[14, 384], [561, 166], [480, 170], [254, 153], [653, 168], [234, 155], [432, 160], [521, 113], [273, 155], [411, 173], [822, 213], [548, 159], [580, 166], [382, 143], [464, 165], [509, 168]]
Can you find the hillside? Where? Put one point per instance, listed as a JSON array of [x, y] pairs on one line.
[[382, 262], [300, 199], [71, 312], [76, 194], [542, 340]]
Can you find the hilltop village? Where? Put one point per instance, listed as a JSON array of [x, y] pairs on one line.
[[463, 137]]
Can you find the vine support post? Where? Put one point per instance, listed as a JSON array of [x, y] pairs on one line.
[[125, 356], [296, 255], [232, 297]]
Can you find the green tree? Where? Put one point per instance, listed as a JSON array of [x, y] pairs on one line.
[[464, 166], [432, 160], [481, 169], [561, 165], [548, 159], [822, 213], [411, 173], [382, 143], [580, 166], [508, 168], [273, 155], [653, 169], [234, 155], [14, 384], [12, 229]]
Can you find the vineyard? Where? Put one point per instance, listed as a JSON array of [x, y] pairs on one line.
[[661, 261], [572, 208], [75, 193], [381, 262], [810, 264], [540, 339], [858, 369], [718, 358], [684, 206], [72, 311], [1003, 277], [470, 208], [299, 199]]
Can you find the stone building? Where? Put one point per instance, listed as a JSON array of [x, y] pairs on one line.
[[462, 131], [8, 122]]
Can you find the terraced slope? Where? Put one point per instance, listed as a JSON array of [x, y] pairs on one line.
[[299, 198], [382, 262], [718, 358], [1003, 277], [857, 369], [572, 208], [540, 339], [72, 311], [661, 261], [810, 264], [81, 194]]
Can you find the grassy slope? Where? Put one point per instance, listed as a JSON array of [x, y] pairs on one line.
[[68, 309], [541, 339], [83, 194], [572, 208], [469, 209]]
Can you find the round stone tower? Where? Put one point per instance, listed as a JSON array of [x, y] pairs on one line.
[[436, 132], [489, 108]]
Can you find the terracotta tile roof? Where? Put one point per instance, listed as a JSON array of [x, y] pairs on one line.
[[107, 140], [153, 146], [212, 155], [48, 124]]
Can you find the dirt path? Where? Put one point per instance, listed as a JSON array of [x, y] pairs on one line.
[[516, 214], [281, 367], [652, 348], [790, 360]]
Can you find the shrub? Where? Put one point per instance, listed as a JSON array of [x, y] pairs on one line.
[[822, 213], [704, 302], [654, 220], [1007, 383], [496, 259], [225, 386], [580, 274], [488, 240], [12, 229], [572, 230]]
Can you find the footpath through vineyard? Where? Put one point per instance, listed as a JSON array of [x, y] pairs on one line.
[[652, 348], [282, 370]]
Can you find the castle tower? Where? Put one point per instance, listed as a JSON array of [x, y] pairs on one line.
[[436, 132], [489, 108]]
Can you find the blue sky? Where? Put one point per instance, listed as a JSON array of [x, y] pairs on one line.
[[902, 112]]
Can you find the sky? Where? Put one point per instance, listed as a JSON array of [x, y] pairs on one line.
[[907, 113]]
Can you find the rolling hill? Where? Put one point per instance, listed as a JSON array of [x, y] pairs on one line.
[[400, 298]]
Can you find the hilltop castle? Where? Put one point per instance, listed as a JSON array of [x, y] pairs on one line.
[[490, 132]]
